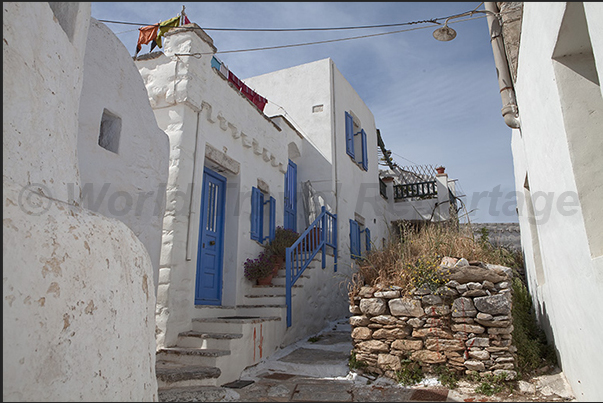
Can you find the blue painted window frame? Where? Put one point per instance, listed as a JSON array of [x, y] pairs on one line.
[[349, 135], [354, 239], [349, 142], [257, 216]]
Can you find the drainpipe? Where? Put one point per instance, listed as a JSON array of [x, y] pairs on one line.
[[193, 189], [509, 110]]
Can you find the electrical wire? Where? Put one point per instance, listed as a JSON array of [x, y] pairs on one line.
[[321, 42], [432, 20]]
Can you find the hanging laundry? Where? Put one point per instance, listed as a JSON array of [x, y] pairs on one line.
[[215, 63], [146, 35], [224, 70], [164, 27]]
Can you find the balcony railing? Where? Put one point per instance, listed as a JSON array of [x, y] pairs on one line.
[[425, 190]]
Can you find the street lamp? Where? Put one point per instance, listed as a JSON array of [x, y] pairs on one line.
[[509, 111]]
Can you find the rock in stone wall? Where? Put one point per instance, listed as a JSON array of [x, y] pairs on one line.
[[465, 325]]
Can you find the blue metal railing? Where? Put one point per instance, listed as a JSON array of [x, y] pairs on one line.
[[320, 234]]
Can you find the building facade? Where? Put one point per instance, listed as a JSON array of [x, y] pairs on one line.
[[555, 59], [296, 148]]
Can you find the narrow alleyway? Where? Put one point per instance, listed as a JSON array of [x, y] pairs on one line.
[[317, 370]]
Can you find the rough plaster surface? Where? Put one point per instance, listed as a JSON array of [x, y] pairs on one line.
[[40, 98], [128, 185], [78, 306]]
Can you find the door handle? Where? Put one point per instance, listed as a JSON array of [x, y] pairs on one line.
[[211, 243]]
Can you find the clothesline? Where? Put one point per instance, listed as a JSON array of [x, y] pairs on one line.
[[153, 33], [253, 96]]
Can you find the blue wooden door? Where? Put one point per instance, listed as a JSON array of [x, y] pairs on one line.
[[208, 288], [290, 221]]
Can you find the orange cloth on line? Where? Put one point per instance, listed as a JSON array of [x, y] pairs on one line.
[[146, 35]]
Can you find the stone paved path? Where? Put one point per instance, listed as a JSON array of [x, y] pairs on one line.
[[316, 370]]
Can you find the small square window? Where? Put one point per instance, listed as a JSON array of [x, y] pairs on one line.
[[110, 131], [317, 108]]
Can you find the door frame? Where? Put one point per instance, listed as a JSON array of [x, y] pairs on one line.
[[221, 221], [291, 185]]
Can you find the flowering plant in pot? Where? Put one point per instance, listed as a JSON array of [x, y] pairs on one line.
[[283, 238], [260, 268]]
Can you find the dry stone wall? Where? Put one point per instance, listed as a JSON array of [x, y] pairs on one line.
[[465, 325]]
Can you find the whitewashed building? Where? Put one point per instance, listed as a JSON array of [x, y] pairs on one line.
[[554, 63], [297, 149], [79, 300]]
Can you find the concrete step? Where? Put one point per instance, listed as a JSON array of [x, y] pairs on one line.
[[263, 310], [282, 280], [271, 288], [213, 311], [229, 324], [217, 341], [191, 356], [171, 375], [275, 298]]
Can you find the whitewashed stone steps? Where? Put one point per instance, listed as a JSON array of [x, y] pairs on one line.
[[170, 375], [233, 324], [277, 310], [213, 311], [187, 356], [206, 340], [276, 298]]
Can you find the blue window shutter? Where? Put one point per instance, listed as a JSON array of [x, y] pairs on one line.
[[257, 204], [354, 239], [364, 151], [367, 234], [349, 135], [272, 229]]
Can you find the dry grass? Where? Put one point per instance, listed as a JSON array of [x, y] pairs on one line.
[[412, 258]]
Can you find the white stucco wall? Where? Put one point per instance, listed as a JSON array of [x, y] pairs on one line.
[[41, 98], [78, 306], [128, 185], [205, 113], [347, 188], [566, 279]]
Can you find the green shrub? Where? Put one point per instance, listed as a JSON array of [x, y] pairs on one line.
[[491, 384], [410, 373], [354, 363], [446, 376], [532, 348]]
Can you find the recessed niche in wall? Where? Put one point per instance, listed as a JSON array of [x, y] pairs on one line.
[[317, 108], [579, 88], [110, 130], [66, 14]]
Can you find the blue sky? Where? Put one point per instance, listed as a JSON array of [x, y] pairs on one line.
[[435, 103]]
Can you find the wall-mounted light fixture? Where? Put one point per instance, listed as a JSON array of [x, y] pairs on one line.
[[510, 110]]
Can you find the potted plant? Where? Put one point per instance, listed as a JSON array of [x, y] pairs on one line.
[[260, 268], [283, 238]]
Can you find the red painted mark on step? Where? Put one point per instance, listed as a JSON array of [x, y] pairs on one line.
[[261, 341]]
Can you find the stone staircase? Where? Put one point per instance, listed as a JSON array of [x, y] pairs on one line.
[[226, 340]]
